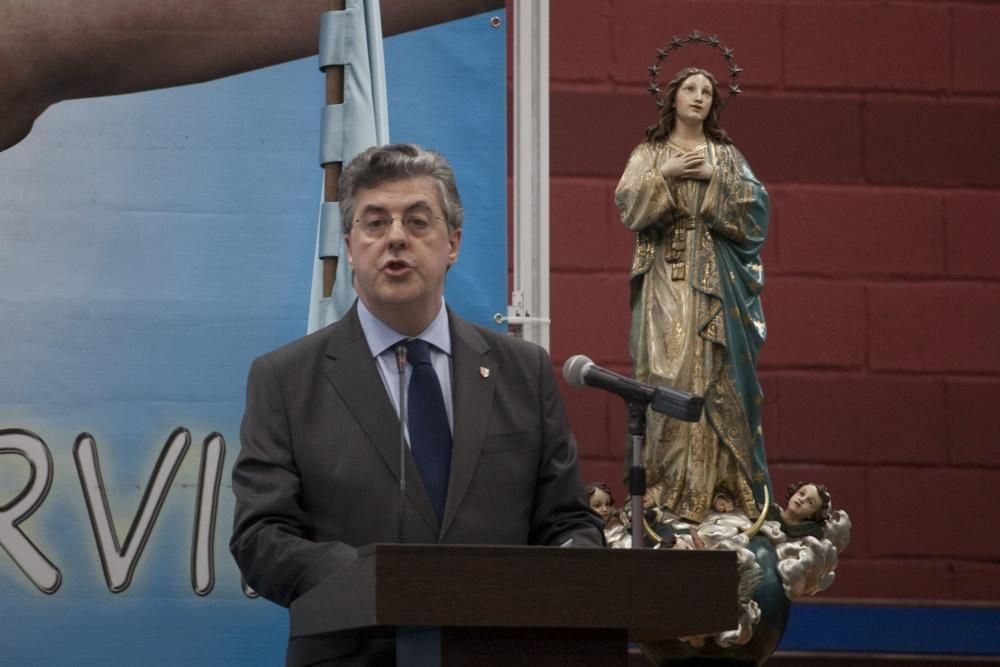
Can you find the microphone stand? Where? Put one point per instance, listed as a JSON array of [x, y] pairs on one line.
[[638, 397], [401, 367], [637, 469]]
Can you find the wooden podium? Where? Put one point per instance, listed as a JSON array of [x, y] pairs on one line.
[[489, 605]]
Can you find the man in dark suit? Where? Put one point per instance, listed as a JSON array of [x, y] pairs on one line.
[[318, 471]]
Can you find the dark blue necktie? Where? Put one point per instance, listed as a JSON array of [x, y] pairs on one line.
[[430, 434]]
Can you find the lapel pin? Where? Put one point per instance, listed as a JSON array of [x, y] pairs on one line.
[[485, 372]]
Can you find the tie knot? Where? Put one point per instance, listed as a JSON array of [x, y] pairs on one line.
[[418, 351]]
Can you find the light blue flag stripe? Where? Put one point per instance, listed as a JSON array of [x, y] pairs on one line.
[[352, 37]]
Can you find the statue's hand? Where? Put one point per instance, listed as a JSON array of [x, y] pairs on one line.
[[673, 166], [697, 167]]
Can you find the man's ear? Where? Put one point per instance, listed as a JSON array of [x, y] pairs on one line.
[[454, 244]]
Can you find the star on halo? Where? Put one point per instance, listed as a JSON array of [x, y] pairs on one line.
[[695, 37]]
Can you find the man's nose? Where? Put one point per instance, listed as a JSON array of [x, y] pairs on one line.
[[397, 232]]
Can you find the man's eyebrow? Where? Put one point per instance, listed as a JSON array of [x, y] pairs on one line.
[[373, 208], [420, 206], [416, 206]]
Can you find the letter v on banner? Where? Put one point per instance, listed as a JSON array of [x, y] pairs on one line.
[[119, 561]]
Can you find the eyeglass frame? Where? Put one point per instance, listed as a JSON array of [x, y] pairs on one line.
[[404, 219]]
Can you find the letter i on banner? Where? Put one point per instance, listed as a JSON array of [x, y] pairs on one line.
[[213, 454], [355, 118]]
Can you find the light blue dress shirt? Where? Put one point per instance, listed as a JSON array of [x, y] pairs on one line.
[[382, 341]]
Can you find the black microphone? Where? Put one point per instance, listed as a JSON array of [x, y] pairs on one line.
[[579, 370]]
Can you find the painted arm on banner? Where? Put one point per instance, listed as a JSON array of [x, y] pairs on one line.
[[273, 533], [55, 50]]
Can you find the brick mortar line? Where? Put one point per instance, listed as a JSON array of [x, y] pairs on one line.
[[888, 467], [781, 91], [854, 184], [881, 279], [853, 279], [802, 372], [867, 372], [901, 188], [868, 188]]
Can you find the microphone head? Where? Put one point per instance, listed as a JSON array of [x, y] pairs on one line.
[[401, 357], [575, 369]]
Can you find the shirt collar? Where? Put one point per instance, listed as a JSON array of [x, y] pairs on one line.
[[381, 336]]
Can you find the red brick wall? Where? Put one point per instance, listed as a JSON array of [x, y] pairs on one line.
[[876, 128]]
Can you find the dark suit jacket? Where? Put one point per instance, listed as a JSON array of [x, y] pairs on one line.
[[318, 471]]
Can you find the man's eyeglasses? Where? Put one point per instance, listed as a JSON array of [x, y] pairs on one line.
[[377, 225]]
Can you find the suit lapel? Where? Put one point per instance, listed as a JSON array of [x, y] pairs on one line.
[[352, 372], [474, 377]]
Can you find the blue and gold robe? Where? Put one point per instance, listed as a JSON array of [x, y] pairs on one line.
[[697, 322]]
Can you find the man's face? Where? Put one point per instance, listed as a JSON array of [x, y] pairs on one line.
[[400, 248]]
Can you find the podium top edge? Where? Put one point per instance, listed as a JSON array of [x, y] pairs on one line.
[[537, 551]]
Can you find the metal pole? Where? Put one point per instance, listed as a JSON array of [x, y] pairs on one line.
[[529, 309]]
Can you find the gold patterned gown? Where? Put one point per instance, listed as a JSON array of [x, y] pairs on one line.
[[697, 323]]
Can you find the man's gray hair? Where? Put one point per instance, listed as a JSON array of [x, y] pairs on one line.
[[394, 162]]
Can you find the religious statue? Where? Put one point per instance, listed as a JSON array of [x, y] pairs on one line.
[[602, 501], [812, 535], [807, 508], [788, 554], [700, 217]]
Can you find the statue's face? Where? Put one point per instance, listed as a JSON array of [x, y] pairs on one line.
[[600, 502], [804, 504], [722, 504], [694, 99], [652, 497]]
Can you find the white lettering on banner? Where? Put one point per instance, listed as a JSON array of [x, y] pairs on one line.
[[213, 452], [25, 554], [119, 561]]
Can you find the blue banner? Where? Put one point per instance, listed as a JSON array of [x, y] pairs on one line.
[[151, 245]]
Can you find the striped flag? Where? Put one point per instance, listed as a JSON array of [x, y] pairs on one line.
[[351, 37]]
